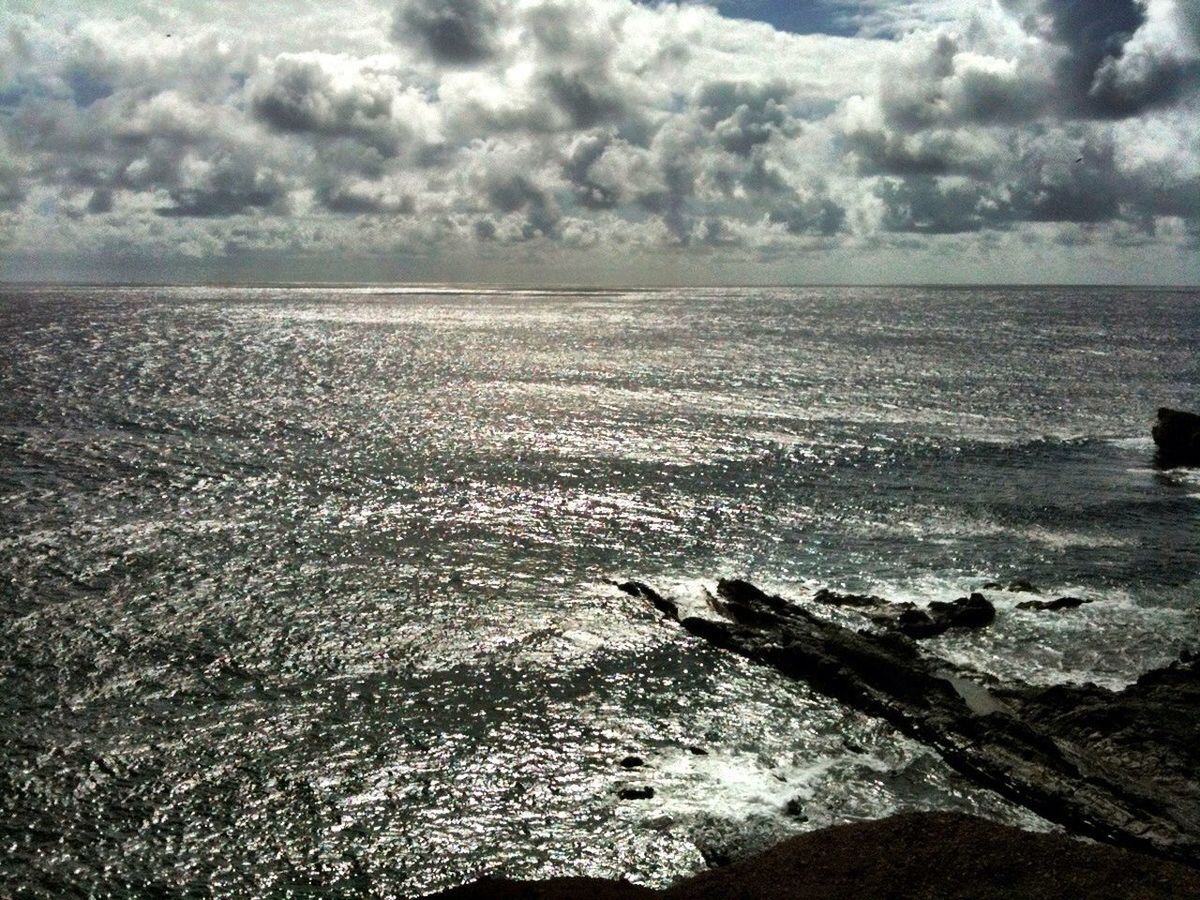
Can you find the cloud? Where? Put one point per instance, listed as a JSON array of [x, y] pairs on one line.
[[454, 32], [450, 130]]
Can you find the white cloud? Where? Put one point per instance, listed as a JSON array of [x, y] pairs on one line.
[[448, 131]]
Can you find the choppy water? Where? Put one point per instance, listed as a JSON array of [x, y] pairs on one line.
[[304, 589]]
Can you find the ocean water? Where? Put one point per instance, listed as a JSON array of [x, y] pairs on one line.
[[304, 590]]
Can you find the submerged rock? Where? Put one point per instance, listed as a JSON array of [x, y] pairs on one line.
[[1117, 766], [1016, 586], [632, 762], [636, 793], [1060, 603], [1177, 435]]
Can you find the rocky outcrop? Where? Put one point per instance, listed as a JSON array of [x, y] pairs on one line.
[[975, 611], [1116, 766], [1177, 435], [1054, 605], [914, 855]]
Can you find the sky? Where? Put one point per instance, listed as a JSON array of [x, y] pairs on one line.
[[601, 141]]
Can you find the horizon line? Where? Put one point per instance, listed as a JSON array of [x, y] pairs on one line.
[[581, 287]]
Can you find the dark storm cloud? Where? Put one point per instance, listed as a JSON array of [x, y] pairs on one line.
[[816, 216], [309, 94], [101, 201], [743, 115], [1041, 186], [455, 32], [587, 101], [581, 156], [226, 190], [879, 151], [517, 193], [1095, 34], [339, 192]]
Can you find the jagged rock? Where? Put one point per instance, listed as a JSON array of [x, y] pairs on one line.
[[834, 598], [644, 591], [1115, 766], [1177, 435], [917, 624], [1060, 603], [636, 793], [974, 611], [965, 612], [938, 617]]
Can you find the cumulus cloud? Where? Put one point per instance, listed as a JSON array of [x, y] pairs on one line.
[[455, 32], [609, 127]]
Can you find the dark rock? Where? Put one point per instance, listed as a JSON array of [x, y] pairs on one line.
[[1017, 585], [1177, 435], [918, 624], [636, 793], [1115, 766], [645, 592], [697, 751], [1060, 603], [632, 762], [916, 854], [974, 611], [795, 809], [834, 598], [938, 617]]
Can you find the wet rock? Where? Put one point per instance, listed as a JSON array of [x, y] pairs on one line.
[[1016, 586], [1177, 435], [632, 762], [834, 598], [1115, 766], [636, 793], [697, 751], [795, 809], [1060, 603], [644, 591], [918, 624], [975, 611]]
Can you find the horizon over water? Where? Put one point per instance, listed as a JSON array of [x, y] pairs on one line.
[[307, 587]]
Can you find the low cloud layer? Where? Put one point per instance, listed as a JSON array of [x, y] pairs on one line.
[[611, 139]]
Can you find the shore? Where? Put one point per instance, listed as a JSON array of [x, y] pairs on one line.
[[914, 855]]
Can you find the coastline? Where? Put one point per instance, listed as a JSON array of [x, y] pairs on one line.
[[914, 855]]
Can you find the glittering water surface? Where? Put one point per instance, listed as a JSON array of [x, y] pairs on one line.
[[304, 589]]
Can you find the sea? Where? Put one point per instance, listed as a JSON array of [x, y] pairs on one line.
[[307, 590]]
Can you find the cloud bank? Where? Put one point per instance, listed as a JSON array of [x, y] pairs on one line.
[[602, 140]]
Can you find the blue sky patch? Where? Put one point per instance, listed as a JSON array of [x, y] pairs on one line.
[[87, 89]]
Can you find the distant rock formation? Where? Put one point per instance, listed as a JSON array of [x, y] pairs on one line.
[[1177, 435], [1117, 766]]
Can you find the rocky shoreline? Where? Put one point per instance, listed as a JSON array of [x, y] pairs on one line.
[[1115, 766], [1118, 767], [915, 855]]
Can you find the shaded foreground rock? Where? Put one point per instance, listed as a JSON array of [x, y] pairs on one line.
[[1115, 766], [916, 855], [1177, 435]]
